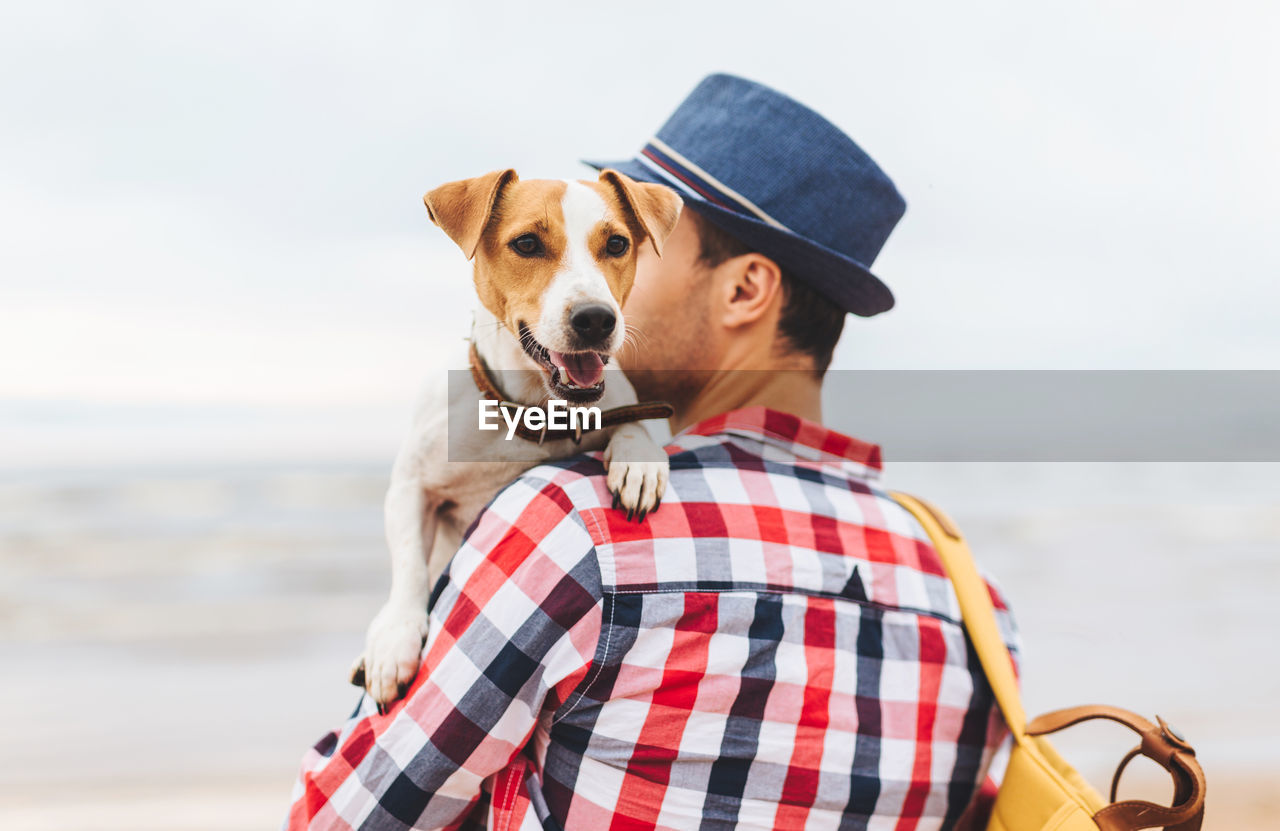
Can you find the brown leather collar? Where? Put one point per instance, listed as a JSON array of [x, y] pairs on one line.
[[608, 418]]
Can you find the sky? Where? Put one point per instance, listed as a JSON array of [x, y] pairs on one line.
[[213, 244]]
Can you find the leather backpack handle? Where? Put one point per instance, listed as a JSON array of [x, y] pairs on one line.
[[1161, 744]]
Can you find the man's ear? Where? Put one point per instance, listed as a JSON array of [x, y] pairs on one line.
[[463, 208], [751, 285], [655, 207]]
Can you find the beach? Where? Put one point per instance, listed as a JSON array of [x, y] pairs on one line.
[[175, 638]]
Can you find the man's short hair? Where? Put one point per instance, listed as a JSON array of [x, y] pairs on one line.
[[809, 324]]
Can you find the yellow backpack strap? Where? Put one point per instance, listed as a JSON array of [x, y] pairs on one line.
[[975, 607]]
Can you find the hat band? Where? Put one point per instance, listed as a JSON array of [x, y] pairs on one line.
[[688, 178]]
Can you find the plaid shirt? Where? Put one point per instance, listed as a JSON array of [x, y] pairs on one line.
[[776, 647]]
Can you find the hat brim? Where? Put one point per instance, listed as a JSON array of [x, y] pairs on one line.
[[847, 282]]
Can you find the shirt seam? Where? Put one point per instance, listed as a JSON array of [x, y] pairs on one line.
[[871, 604], [596, 542], [578, 695]]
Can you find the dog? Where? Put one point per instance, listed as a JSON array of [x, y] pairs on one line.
[[554, 261]]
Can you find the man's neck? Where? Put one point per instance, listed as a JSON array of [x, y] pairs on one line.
[[796, 391]]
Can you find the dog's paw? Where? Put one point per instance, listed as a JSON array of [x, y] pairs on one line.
[[637, 487], [638, 472], [392, 652]]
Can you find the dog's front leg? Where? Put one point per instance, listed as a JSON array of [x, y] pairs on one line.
[[638, 470], [393, 645]]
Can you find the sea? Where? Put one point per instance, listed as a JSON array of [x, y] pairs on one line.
[[173, 637]]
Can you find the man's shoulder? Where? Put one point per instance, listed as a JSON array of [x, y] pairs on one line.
[[575, 483], [544, 498], [532, 531], [932, 561], [576, 489], [581, 481]]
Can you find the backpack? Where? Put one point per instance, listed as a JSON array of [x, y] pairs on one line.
[[1040, 790]]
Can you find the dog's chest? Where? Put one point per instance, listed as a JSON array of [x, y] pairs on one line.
[[474, 467]]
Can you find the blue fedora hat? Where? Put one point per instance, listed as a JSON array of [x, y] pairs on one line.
[[783, 180]]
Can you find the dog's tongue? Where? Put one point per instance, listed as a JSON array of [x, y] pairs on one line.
[[584, 369]]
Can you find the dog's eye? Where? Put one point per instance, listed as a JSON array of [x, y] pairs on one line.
[[617, 245], [527, 245]]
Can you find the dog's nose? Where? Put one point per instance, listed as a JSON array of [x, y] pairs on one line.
[[593, 322]]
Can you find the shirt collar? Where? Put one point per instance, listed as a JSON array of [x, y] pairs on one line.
[[799, 436]]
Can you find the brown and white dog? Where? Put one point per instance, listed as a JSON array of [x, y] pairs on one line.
[[554, 263]]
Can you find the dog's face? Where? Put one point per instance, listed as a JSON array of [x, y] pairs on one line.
[[555, 261]]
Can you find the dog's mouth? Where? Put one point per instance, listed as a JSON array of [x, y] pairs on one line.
[[573, 376]]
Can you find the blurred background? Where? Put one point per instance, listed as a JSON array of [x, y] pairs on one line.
[[221, 294]]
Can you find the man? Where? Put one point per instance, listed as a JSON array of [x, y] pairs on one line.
[[776, 646]]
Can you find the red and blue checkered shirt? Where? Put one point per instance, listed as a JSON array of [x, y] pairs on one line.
[[776, 647]]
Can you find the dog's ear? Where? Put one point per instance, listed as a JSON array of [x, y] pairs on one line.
[[462, 209], [655, 207]]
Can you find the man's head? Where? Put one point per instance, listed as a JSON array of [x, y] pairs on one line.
[[784, 216], [711, 303]]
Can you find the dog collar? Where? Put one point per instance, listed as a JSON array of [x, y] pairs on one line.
[[642, 411]]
